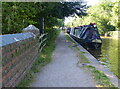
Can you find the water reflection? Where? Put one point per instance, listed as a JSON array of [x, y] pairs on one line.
[[108, 54], [113, 55]]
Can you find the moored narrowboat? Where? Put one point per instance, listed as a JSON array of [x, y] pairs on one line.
[[87, 35]]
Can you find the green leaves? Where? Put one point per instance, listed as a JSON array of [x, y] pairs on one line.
[[17, 15], [105, 14]]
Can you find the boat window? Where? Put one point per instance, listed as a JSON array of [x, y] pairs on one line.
[[86, 34], [77, 31], [72, 31], [81, 31], [82, 34]]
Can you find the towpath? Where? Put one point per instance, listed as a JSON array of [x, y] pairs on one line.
[[63, 71]]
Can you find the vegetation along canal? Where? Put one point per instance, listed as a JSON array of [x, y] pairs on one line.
[[108, 54]]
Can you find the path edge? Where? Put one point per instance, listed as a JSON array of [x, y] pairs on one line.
[[95, 63]]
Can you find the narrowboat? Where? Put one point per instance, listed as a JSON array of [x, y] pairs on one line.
[[68, 30], [87, 35]]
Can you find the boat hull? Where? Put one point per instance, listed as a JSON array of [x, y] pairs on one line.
[[90, 44]]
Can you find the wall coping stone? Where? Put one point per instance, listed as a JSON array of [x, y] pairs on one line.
[[12, 38], [30, 27], [29, 31]]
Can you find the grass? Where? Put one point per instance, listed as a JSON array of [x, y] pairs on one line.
[[83, 59], [43, 58], [68, 38], [101, 79], [80, 54]]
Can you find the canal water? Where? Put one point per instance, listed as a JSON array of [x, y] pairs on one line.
[[107, 55]]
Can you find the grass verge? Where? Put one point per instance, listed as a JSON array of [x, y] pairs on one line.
[[101, 79], [82, 58], [80, 54], [68, 38], [43, 58]]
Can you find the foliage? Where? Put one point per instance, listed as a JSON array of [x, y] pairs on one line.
[[17, 15], [100, 77], [105, 14], [43, 58], [115, 15]]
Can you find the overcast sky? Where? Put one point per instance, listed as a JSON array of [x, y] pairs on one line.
[[89, 2], [92, 2]]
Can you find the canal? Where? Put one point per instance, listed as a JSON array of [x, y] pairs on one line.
[[107, 55]]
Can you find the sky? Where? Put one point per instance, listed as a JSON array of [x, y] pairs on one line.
[[92, 2]]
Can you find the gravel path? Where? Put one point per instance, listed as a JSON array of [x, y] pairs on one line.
[[63, 71]]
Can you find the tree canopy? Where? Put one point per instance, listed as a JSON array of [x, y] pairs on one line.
[[17, 15], [105, 14]]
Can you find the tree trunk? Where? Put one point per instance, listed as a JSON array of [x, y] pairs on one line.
[[41, 25]]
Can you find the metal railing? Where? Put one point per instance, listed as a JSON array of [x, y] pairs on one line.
[[42, 41]]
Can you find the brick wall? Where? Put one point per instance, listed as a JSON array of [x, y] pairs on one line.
[[18, 57]]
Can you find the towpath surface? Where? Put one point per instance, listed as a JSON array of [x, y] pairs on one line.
[[63, 70]]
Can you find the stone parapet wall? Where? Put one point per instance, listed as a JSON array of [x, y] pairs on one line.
[[17, 57]]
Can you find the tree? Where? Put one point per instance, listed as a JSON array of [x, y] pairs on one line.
[[16, 16], [105, 14], [24, 13], [115, 15]]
